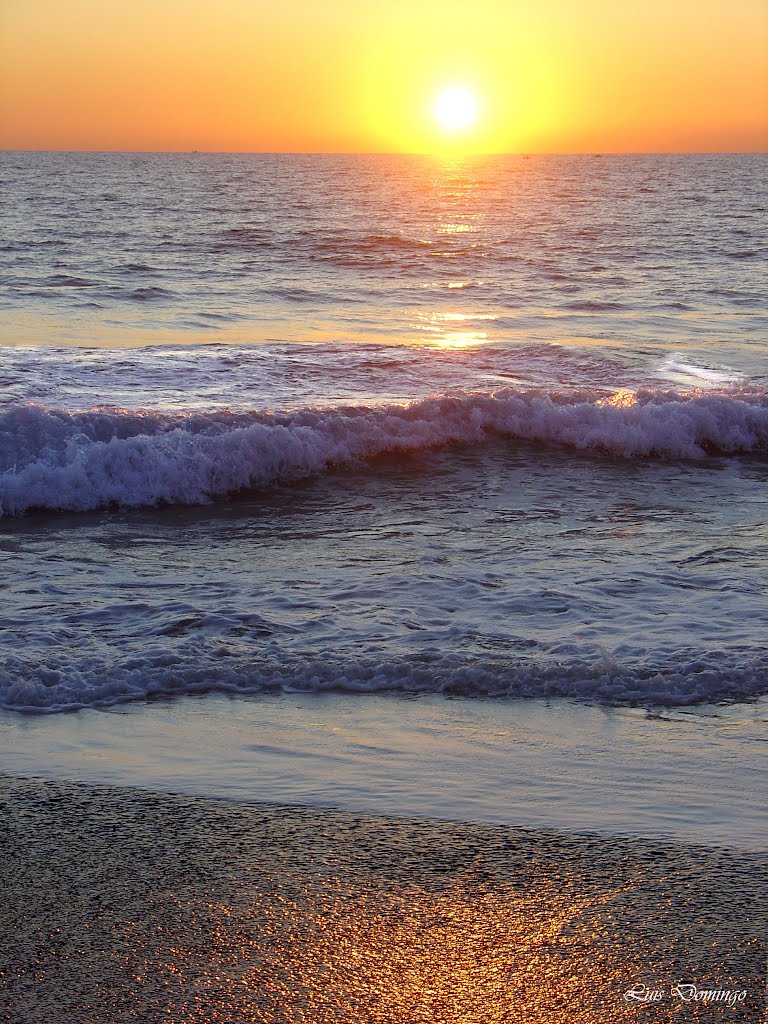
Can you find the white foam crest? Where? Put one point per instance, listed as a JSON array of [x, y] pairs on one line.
[[80, 461], [676, 367], [64, 682]]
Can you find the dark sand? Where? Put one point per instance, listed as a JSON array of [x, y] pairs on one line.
[[121, 905]]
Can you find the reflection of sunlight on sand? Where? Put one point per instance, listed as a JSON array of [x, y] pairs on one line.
[[470, 949], [354, 919], [212, 911], [456, 955]]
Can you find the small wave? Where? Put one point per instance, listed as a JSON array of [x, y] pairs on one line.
[[350, 249], [86, 460], [68, 281], [148, 294], [393, 242], [307, 295], [36, 243], [217, 316], [62, 682], [593, 306], [244, 239], [136, 268]]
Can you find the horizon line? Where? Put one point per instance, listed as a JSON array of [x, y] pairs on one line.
[[421, 153]]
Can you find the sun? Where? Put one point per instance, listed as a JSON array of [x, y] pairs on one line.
[[456, 109]]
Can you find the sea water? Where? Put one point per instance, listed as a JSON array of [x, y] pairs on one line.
[[486, 436]]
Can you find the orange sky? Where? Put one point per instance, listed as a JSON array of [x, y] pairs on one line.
[[362, 75]]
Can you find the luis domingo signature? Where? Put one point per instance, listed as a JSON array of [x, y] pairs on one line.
[[685, 993]]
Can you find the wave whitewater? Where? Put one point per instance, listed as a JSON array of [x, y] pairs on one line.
[[67, 682], [77, 461]]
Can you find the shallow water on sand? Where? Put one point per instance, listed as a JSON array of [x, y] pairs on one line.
[[695, 775]]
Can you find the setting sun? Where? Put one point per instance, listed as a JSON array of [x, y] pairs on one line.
[[456, 109], [343, 77]]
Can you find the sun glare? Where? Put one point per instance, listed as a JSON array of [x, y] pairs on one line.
[[456, 109]]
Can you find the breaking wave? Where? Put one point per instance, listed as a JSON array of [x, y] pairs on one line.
[[68, 682], [52, 459]]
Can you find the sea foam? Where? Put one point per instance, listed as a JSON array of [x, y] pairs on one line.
[[52, 459], [69, 681]]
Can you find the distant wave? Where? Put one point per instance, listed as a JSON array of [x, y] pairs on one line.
[[69, 682], [52, 459]]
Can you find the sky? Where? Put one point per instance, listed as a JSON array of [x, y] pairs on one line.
[[564, 76]]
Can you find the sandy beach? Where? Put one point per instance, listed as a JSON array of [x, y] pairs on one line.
[[124, 905]]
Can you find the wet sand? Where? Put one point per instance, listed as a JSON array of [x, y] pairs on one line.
[[120, 905]]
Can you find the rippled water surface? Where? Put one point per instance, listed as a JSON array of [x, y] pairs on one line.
[[494, 427], [634, 250]]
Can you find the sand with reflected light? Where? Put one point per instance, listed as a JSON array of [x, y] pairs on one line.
[[138, 907]]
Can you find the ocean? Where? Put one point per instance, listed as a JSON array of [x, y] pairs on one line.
[[313, 467]]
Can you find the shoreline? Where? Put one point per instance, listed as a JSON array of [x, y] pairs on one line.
[[687, 775], [129, 905]]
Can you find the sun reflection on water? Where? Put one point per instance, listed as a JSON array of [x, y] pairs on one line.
[[621, 399], [438, 325]]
